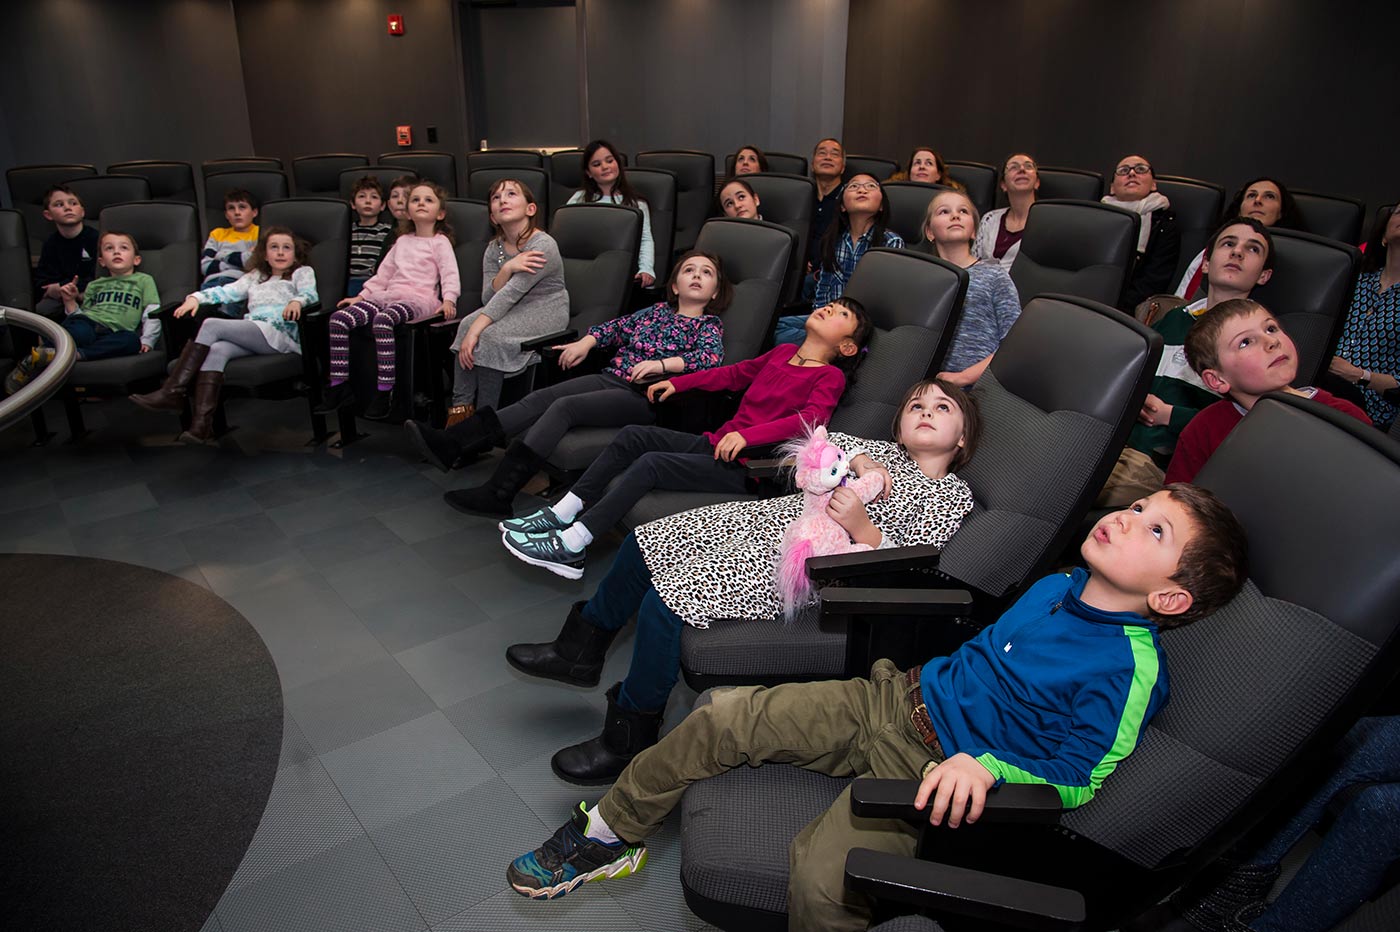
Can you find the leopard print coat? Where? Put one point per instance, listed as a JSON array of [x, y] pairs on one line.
[[718, 561]]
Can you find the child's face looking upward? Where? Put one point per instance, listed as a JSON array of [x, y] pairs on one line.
[[118, 255], [1255, 356], [932, 423]]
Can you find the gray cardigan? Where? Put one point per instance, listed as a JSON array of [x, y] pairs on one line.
[[529, 306]]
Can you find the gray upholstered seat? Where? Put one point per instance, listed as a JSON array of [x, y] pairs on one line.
[[788, 200], [914, 301], [778, 162], [1081, 248], [659, 187], [101, 191], [1309, 294], [16, 288], [481, 180], [871, 165], [169, 181], [27, 184], [565, 170], [755, 256], [1198, 206], [1067, 183], [1337, 218], [247, 163], [438, 167], [385, 174], [695, 189], [979, 179], [1259, 691], [908, 202], [504, 158], [319, 175], [263, 185]]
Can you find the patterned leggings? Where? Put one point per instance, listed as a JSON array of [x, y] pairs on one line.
[[382, 318]]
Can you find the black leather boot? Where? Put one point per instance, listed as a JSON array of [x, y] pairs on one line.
[[600, 760], [493, 500], [575, 656], [477, 434]]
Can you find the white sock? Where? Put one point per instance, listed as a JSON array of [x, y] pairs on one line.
[[568, 507], [598, 828], [576, 536]]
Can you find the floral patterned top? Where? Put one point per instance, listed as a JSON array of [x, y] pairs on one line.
[[658, 332], [1371, 339]]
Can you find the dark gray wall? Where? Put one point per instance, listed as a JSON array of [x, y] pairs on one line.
[[515, 55], [325, 75], [1217, 89], [103, 82]]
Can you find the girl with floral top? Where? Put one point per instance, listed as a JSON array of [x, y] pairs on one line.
[[279, 286], [668, 338]]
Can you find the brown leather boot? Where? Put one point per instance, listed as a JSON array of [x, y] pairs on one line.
[[458, 413], [206, 401], [171, 395]]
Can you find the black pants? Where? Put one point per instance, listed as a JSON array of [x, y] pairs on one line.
[[650, 458], [547, 414]]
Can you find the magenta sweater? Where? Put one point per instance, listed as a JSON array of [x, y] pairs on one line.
[[779, 397], [412, 272]]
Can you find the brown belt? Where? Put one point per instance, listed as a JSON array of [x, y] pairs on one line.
[[918, 714]]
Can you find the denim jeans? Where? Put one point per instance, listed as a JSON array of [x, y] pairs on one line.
[[98, 342]]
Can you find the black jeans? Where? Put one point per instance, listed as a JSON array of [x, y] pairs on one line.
[[547, 414], [648, 458]]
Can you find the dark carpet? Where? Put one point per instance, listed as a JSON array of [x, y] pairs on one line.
[[140, 727]]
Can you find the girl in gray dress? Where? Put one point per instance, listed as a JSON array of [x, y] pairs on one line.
[[522, 285]]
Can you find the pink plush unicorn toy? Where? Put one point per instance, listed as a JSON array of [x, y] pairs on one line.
[[820, 468]]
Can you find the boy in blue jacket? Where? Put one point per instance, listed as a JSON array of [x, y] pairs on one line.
[[1057, 691]]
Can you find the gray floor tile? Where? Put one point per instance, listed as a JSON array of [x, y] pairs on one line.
[[406, 769], [305, 816], [228, 579], [426, 519], [174, 517], [245, 540], [65, 461], [390, 572], [351, 504], [48, 540], [166, 554], [26, 492], [549, 798], [519, 721], [405, 620], [295, 748], [357, 703], [504, 585], [299, 487], [453, 855], [212, 923], [111, 503], [345, 889], [587, 910], [328, 549], [461, 550], [653, 896]]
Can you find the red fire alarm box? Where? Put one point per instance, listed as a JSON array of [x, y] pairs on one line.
[[395, 24], [403, 135]]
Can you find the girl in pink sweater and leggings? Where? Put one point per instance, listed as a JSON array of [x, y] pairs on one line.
[[785, 388], [418, 278]]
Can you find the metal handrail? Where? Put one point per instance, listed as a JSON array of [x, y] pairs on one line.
[[41, 388]]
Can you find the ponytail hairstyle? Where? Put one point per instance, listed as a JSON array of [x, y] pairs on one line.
[[530, 228], [257, 261], [406, 226], [622, 188]]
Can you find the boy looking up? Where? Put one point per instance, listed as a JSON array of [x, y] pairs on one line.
[[1240, 257], [1057, 691], [1241, 352], [69, 255]]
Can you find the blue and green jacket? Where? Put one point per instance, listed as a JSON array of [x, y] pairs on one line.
[[1055, 692]]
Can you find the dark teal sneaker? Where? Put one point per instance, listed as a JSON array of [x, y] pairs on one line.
[[546, 550], [536, 522], [570, 858]]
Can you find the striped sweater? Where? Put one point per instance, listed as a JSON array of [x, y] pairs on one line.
[[225, 255]]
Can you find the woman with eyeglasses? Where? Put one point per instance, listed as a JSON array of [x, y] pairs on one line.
[[1368, 353], [1159, 241], [861, 220], [999, 234]]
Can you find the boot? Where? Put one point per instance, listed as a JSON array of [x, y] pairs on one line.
[[600, 760], [335, 397], [458, 413], [493, 500], [477, 434], [436, 446], [171, 395], [206, 401], [381, 406], [575, 656]]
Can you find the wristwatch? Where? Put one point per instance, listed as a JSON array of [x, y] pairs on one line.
[[1365, 380]]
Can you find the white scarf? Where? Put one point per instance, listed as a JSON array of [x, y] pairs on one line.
[[1143, 207]]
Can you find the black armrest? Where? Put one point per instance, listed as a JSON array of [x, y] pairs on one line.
[[958, 890], [849, 600], [548, 340], [440, 323], [166, 308], [315, 310], [1010, 802], [428, 321], [765, 469], [870, 562]]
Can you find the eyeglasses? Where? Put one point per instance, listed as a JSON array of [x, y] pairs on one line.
[[1141, 168], [1020, 166], [863, 186]]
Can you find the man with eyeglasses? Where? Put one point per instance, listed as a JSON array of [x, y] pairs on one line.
[[828, 165], [1159, 241]]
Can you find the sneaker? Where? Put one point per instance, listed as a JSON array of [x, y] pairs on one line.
[[570, 858], [536, 522], [546, 550], [29, 366]]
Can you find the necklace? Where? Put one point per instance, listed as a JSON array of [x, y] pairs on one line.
[[803, 360]]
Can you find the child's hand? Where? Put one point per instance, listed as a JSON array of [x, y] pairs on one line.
[[863, 465], [1155, 412], [187, 306], [54, 291], [68, 291], [448, 310], [529, 262], [646, 369], [466, 353], [645, 279], [660, 391], [346, 302], [847, 510], [571, 354], [145, 348], [960, 781], [729, 445], [291, 312]]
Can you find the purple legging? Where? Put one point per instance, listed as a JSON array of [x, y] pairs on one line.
[[382, 318]]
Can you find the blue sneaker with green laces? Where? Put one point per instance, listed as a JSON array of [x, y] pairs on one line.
[[546, 550], [570, 858]]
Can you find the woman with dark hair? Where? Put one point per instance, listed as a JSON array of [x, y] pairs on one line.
[[999, 233], [1265, 199], [862, 219], [605, 181], [926, 166], [748, 160], [738, 199], [1368, 353], [1134, 189]]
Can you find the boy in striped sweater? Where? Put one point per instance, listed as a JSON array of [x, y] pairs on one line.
[[368, 233], [227, 250]]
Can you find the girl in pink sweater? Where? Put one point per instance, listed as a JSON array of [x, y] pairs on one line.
[[418, 278]]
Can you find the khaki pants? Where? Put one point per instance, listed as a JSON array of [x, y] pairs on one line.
[[1134, 476], [846, 728]]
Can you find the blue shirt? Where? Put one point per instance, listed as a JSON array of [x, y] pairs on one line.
[[1371, 339], [832, 284], [1055, 692]]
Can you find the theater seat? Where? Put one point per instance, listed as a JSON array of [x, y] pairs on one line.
[[909, 202], [385, 174], [565, 170], [788, 200], [980, 180], [779, 163], [695, 189], [1198, 206], [263, 185], [169, 181], [1338, 218], [481, 180], [319, 175], [1081, 248], [438, 167], [27, 184], [1310, 292], [1066, 183], [504, 158], [871, 165], [659, 187], [247, 163], [101, 191], [472, 232]]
